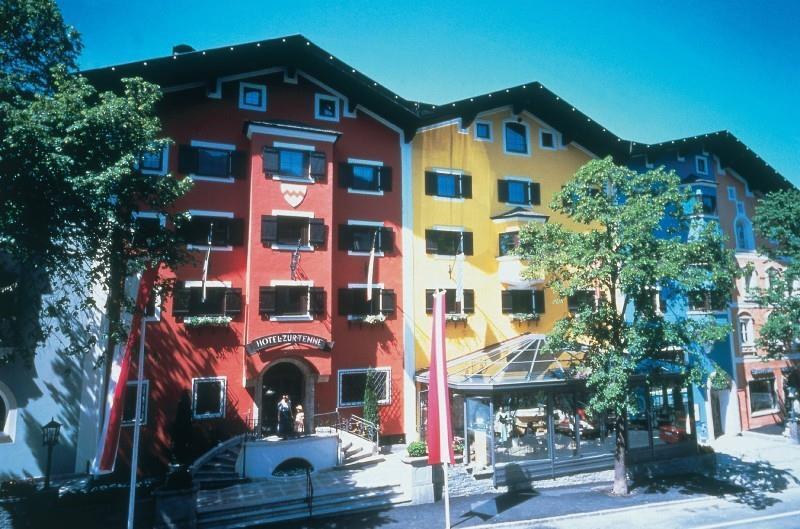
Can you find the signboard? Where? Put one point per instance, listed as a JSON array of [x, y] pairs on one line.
[[288, 338]]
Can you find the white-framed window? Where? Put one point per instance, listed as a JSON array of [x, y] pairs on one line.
[[290, 230], [208, 397], [8, 415], [326, 107], [701, 164], [516, 138], [355, 305], [448, 184], [483, 131], [353, 382], [129, 406], [212, 162], [743, 233], [773, 274], [732, 193], [252, 97], [518, 192], [366, 177], [291, 301], [220, 227], [155, 162], [746, 331], [548, 139], [750, 284]]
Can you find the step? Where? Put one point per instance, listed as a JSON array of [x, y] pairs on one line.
[[226, 456], [364, 460], [217, 465], [208, 472], [353, 452]]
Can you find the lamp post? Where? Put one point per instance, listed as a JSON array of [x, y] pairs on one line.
[[50, 433]]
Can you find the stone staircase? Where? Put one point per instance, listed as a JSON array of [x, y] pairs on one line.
[[217, 467], [358, 452]]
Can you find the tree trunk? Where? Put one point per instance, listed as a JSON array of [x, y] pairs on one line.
[[620, 468]]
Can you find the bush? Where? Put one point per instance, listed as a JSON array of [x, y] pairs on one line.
[[17, 488], [417, 449], [458, 445]]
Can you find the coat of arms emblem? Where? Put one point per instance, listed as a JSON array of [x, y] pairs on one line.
[[293, 194]]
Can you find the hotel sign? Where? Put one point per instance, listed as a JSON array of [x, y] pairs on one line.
[[288, 338]]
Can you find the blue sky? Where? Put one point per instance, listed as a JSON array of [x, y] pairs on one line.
[[648, 71]]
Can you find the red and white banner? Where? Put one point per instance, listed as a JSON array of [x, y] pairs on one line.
[[440, 428], [120, 373]]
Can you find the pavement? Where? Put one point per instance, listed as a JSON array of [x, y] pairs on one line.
[[757, 484]]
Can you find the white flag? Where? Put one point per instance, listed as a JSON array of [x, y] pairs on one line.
[[371, 266], [459, 266], [207, 259]]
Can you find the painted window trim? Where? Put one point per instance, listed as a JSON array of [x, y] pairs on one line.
[[371, 163], [223, 398], [212, 145], [325, 97], [747, 320], [294, 283], [9, 432], [527, 138], [164, 164], [523, 179], [388, 387], [261, 88], [556, 138], [211, 283], [131, 386], [732, 193], [697, 159], [475, 136]]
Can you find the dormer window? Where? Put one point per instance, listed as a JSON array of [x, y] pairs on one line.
[[252, 97], [326, 107]]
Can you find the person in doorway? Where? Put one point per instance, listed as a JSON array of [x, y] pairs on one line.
[[285, 417], [299, 420]]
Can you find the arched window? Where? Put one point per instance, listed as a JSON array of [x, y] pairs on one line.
[[8, 415], [743, 232], [746, 331]]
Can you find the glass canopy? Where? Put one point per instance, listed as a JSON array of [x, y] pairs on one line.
[[518, 362]]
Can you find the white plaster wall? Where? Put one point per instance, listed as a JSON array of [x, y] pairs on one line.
[[259, 458]]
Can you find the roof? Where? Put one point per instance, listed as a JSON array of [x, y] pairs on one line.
[[520, 213], [760, 175]]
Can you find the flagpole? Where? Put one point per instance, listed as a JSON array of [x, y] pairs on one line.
[[446, 495], [137, 423]]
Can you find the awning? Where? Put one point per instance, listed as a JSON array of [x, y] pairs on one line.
[[519, 362]]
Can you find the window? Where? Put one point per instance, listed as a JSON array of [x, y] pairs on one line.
[[154, 162], [359, 238], [326, 107], [208, 397], [515, 138], [129, 407], [483, 131], [446, 242], [8, 415], [547, 139], [448, 184], [746, 332], [743, 232], [294, 164], [762, 395], [508, 242], [146, 226], [773, 277], [451, 305], [353, 301], [220, 300], [3, 414], [364, 177], [732, 193], [252, 97], [701, 165], [750, 283], [705, 203], [353, 382], [521, 192], [222, 231], [522, 301], [286, 232], [219, 162], [706, 301], [580, 300], [291, 300]]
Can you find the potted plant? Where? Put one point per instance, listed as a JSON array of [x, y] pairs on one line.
[[374, 319], [207, 321], [456, 318], [524, 316]]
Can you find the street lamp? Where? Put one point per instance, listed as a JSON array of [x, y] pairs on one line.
[[50, 433]]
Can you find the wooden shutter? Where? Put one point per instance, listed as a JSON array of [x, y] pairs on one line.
[[387, 240], [180, 301], [269, 229], [466, 186], [469, 301], [187, 159], [385, 178], [536, 193], [345, 174], [502, 190], [345, 301], [506, 302], [318, 165], [271, 160], [431, 241], [316, 232], [429, 300], [388, 301], [233, 301], [430, 183], [538, 301], [267, 300], [317, 302], [235, 232], [345, 237], [238, 164], [468, 250]]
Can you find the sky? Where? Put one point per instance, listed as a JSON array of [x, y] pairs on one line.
[[648, 71]]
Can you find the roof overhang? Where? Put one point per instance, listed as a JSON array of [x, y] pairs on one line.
[[291, 130]]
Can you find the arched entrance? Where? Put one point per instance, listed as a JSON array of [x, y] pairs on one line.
[[283, 378]]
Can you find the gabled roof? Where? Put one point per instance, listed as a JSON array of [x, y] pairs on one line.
[[293, 52], [730, 150], [520, 213]]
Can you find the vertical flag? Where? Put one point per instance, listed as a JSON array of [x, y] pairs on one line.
[[440, 429], [460, 273], [371, 266], [207, 259], [295, 262]]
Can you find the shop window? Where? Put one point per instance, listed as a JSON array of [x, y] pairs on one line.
[[451, 305], [521, 426], [762, 395], [298, 164], [252, 97], [522, 301], [448, 242], [291, 300], [359, 238], [669, 409], [515, 138], [212, 162], [519, 192], [353, 382], [208, 397], [287, 232], [508, 242], [363, 177], [219, 301], [129, 407], [448, 184], [221, 231], [353, 302]]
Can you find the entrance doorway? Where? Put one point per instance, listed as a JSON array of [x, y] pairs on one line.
[[281, 379], [716, 415]]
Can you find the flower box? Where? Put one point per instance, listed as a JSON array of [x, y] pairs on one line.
[[524, 316], [207, 321], [370, 319], [456, 318]]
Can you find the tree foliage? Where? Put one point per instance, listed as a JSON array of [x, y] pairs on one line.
[[638, 237], [371, 397]]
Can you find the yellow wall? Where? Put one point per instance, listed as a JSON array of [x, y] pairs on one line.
[[445, 147]]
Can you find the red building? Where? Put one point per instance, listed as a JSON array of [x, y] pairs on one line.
[[297, 163]]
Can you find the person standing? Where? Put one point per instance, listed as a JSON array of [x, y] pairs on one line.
[[299, 420], [285, 417]]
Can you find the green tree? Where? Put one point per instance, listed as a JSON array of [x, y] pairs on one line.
[[638, 237], [371, 397], [777, 222]]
